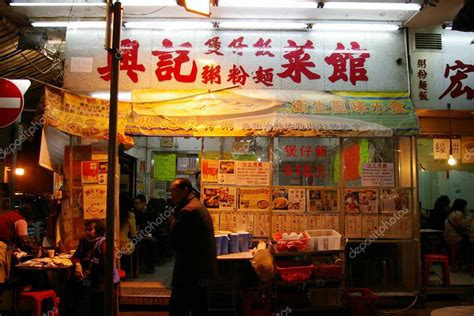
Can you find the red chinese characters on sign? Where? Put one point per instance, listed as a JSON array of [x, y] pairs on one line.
[[356, 58], [298, 62], [237, 44], [422, 83], [214, 45], [263, 47], [211, 74], [305, 151], [167, 66], [305, 170], [129, 61], [456, 87], [264, 76], [237, 75]]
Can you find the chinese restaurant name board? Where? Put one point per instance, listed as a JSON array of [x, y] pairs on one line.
[[352, 61], [446, 76]]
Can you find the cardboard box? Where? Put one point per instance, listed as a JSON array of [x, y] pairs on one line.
[[324, 239]]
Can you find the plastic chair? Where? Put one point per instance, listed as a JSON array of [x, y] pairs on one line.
[[38, 297], [431, 258]]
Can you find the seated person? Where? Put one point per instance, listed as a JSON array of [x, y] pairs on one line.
[[14, 236], [456, 227]]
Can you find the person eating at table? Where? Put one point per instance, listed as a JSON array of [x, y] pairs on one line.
[[14, 235]]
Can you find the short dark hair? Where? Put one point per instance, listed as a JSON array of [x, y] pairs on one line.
[[197, 174], [27, 210], [184, 183], [99, 226], [140, 197], [459, 205]]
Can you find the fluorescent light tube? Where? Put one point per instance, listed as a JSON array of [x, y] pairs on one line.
[[122, 96], [149, 3], [376, 27], [292, 4], [71, 24], [372, 6], [270, 25], [56, 4], [170, 25]]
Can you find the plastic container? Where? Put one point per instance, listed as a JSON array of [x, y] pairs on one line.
[[224, 245], [290, 245], [292, 273], [324, 239], [233, 243], [327, 271], [362, 301], [245, 241], [218, 239]]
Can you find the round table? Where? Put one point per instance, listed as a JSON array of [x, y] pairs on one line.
[[454, 311]]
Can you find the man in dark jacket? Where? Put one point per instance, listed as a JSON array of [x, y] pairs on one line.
[[192, 236]]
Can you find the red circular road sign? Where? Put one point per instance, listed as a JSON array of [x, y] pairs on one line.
[[11, 100]]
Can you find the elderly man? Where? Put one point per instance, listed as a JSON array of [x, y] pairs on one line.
[[192, 236]]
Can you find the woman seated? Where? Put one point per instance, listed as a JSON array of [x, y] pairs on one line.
[[456, 228], [89, 270]]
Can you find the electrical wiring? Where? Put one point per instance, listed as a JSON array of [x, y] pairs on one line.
[[400, 310]]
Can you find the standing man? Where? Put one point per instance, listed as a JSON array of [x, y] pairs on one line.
[[148, 244], [192, 236]]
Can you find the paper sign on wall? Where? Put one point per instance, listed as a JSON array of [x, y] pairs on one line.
[[165, 167], [377, 174]]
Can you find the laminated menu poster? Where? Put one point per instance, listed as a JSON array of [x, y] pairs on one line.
[[296, 223], [262, 225], [245, 222], [215, 220], [353, 226], [255, 173], [311, 222], [387, 227], [368, 201], [89, 172], [209, 169], [370, 223], [394, 200], [323, 200], [254, 199], [219, 198], [331, 222], [226, 172], [95, 201], [377, 174], [228, 222], [288, 199], [351, 201], [280, 223]]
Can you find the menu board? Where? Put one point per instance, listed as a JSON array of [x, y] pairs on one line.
[[351, 201], [353, 226], [262, 225], [311, 222], [394, 200], [254, 173], [219, 198], [280, 223], [288, 199], [209, 169], [226, 172], [323, 200], [331, 222], [254, 199], [369, 224], [245, 222], [95, 201], [215, 220], [228, 222], [368, 201], [387, 226], [164, 167], [377, 174]]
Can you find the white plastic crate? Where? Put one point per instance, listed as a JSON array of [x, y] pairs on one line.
[[324, 239]]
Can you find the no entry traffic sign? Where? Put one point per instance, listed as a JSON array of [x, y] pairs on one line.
[[11, 100]]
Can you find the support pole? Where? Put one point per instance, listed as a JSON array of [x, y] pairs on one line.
[[109, 302]]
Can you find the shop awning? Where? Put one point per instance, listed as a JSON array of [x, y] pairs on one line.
[[241, 113]]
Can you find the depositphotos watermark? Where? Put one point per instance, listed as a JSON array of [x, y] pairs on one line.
[[379, 232], [144, 232], [24, 135]]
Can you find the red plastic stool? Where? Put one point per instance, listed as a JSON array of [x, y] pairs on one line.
[[429, 259], [38, 298]]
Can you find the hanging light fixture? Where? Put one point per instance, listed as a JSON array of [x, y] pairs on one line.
[[451, 160]]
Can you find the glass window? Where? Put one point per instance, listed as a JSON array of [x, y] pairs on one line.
[[305, 161]]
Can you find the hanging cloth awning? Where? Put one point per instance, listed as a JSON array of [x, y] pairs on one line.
[[242, 113]]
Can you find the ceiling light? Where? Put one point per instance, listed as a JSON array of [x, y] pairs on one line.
[[270, 25], [355, 27], [52, 3], [372, 6], [71, 24], [269, 4], [122, 96], [170, 25]]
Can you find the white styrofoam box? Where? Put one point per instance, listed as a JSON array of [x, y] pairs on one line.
[[324, 239]]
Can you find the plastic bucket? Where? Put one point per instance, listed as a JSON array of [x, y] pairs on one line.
[[245, 241], [234, 243], [218, 239], [224, 245]]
